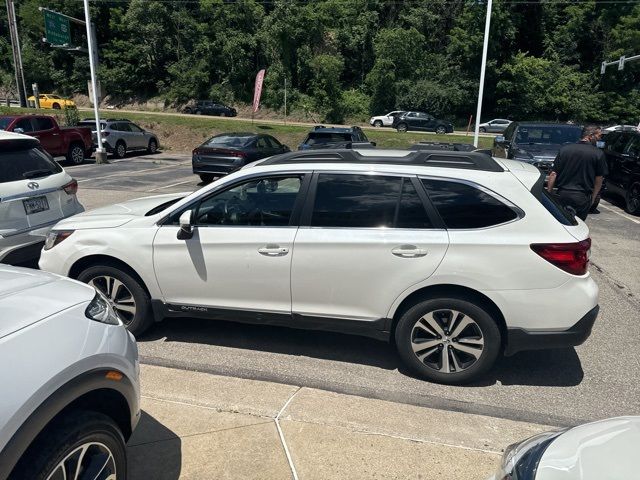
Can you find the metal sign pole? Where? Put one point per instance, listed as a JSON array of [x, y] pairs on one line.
[[285, 101], [17, 59], [485, 48], [101, 156]]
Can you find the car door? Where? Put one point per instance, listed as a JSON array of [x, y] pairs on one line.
[[44, 130], [614, 148], [239, 257], [276, 146], [430, 123], [263, 148], [629, 161], [363, 239], [138, 138]]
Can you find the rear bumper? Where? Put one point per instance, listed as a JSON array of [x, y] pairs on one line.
[[519, 339], [216, 167]]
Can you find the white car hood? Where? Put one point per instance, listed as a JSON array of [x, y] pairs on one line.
[[28, 296], [607, 449], [117, 214]]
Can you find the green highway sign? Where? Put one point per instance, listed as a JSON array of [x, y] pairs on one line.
[[56, 28]]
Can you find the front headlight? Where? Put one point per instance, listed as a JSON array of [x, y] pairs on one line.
[[54, 237], [100, 310], [520, 460]]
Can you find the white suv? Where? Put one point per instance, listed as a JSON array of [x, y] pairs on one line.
[[456, 257], [70, 380], [35, 193]]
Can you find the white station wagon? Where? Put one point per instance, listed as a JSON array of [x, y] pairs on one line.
[[455, 257]]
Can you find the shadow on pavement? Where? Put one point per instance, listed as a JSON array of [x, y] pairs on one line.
[[541, 368], [154, 451]]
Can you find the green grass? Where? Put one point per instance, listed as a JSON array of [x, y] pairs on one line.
[[182, 133]]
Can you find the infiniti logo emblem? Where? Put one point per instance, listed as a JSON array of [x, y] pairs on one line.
[[33, 185]]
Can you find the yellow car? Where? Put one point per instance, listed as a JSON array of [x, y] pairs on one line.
[[48, 100]]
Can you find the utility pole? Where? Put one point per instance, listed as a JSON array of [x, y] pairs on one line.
[[485, 48], [285, 101], [17, 56]]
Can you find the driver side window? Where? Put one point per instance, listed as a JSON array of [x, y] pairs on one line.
[[264, 202]]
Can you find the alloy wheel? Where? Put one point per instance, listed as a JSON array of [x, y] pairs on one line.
[[118, 295], [121, 150], [633, 200], [441, 130], [89, 461], [447, 341], [77, 155], [153, 146]]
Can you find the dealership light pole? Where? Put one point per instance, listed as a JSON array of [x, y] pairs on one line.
[[485, 47], [17, 55], [101, 156]]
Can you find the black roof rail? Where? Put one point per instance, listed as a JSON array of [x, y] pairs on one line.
[[442, 159], [316, 127]]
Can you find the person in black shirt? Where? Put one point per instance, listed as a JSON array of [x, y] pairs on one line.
[[578, 172]]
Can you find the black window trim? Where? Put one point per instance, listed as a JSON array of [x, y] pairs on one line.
[[307, 210], [298, 205], [520, 214]]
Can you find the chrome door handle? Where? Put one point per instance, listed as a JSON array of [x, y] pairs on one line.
[[273, 251], [409, 251]]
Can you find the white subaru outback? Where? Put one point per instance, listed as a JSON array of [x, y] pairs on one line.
[[456, 257]]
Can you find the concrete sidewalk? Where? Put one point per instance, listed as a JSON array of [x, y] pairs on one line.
[[202, 426]]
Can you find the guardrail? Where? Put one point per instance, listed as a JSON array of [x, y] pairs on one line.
[[9, 102]]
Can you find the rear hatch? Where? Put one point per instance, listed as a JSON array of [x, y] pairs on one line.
[[92, 125], [32, 188]]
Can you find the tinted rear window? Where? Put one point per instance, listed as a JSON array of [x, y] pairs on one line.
[[316, 138], [552, 204], [24, 163], [367, 201], [464, 206], [229, 141]]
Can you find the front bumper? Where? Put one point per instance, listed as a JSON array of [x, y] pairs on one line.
[[519, 339]]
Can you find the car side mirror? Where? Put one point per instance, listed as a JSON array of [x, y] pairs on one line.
[[373, 143], [186, 225], [499, 140], [18, 130]]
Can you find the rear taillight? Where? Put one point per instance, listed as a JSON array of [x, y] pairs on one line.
[[71, 188], [573, 258]]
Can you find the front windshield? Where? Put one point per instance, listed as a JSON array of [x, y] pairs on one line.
[[548, 135], [229, 141], [54, 96]]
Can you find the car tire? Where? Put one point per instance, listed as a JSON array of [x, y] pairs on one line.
[[377, 123], [75, 154], [482, 339], [483, 130], [153, 146], [206, 177], [61, 444], [223, 114], [441, 130], [120, 150], [632, 199], [198, 112], [56, 106], [125, 296], [402, 128], [188, 110]]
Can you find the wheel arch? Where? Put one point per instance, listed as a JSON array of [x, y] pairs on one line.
[[98, 259], [450, 290], [94, 391]]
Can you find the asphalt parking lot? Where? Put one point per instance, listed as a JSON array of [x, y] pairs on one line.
[[596, 380]]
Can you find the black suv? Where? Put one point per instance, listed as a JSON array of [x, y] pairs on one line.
[[335, 137], [208, 107], [536, 143], [622, 149], [421, 121]]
